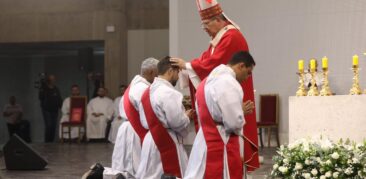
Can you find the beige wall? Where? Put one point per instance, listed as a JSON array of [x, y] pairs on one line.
[[143, 44], [83, 20], [279, 33], [52, 20]]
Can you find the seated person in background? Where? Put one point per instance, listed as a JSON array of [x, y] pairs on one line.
[[100, 110], [13, 113], [75, 91], [117, 119]]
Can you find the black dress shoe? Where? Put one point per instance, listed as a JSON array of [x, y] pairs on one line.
[[120, 176], [96, 171]]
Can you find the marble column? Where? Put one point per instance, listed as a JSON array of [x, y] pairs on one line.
[[115, 61]]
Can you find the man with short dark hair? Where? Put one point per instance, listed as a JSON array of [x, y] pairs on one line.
[[218, 147], [13, 113], [163, 114], [51, 101]]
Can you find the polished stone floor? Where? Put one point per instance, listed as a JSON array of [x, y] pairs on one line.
[[69, 161]]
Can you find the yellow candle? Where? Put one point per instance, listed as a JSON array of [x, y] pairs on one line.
[[301, 65], [312, 64], [325, 62], [355, 60]]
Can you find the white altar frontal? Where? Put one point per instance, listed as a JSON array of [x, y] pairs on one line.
[[335, 117]]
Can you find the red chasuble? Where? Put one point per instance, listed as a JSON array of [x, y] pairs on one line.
[[215, 144], [133, 116], [231, 42], [164, 142]]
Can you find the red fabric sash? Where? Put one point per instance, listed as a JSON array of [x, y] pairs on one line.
[[192, 90], [215, 144], [164, 142], [133, 115], [251, 156]]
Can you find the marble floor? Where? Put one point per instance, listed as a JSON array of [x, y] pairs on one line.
[[69, 161]]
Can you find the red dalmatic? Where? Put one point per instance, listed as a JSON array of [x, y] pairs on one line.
[[133, 116], [164, 142], [215, 144], [230, 43]]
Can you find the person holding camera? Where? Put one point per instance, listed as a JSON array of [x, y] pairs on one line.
[[51, 101]]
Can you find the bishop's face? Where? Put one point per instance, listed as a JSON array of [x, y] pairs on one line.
[[211, 26]]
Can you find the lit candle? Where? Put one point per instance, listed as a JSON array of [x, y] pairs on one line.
[[325, 62], [301, 65], [355, 60], [312, 64]]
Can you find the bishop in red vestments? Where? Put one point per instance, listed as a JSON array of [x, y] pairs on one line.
[[226, 40]]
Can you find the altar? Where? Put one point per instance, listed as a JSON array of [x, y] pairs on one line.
[[335, 117]]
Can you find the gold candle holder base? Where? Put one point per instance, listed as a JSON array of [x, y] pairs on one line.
[[355, 90], [313, 88], [301, 90], [325, 91]]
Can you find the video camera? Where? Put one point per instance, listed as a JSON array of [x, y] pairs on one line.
[[41, 82]]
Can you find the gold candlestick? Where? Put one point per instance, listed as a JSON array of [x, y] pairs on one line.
[[325, 91], [313, 88], [301, 90], [355, 90]]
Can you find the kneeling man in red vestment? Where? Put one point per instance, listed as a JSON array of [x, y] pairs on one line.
[[163, 113], [218, 148]]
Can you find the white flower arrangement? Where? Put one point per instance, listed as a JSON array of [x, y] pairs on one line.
[[320, 159]]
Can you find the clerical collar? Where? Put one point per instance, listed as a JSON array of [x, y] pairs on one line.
[[220, 34], [223, 69], [162, 80]]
